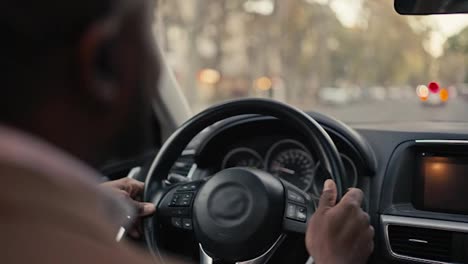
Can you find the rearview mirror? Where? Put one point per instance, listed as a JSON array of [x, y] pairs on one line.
[[428, 7]]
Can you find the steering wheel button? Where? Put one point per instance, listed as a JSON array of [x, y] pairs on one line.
[[295, 197], [187, 196], [291, 211], [178, 212], [300, 199], [187, 223], [181, 212], [184, 203], [176, 222], [188, 187], [292, 196], [301, 214]]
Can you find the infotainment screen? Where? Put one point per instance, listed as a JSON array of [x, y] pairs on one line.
[[442, 183]]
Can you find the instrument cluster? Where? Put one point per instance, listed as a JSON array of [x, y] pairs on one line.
[[290, 160]]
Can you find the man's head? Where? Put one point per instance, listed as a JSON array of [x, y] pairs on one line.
[[79, 73]]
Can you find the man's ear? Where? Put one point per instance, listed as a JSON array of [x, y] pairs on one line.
[[98, 67]]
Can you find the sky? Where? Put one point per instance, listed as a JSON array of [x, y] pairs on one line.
[[347, 12]]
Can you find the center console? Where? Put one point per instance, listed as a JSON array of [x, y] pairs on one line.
[[424, 206]]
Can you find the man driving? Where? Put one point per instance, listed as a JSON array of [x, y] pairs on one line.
[[76, 82]]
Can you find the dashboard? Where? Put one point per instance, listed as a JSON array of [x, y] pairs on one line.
[[265, 144], [288, 159], [414, 176]]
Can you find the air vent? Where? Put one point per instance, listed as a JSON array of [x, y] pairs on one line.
[[183, 165], [421, 243]]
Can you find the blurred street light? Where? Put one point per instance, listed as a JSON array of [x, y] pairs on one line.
[[209, 76], [444, 95], [263, 83], [423, 92]]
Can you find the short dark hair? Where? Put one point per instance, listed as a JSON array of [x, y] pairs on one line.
[[33, 34]]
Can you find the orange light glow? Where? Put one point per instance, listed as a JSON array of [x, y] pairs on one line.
[[209, 76], [436, 172], [437, 166], [263, 83], [444, 95]]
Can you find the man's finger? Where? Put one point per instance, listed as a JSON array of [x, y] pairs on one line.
[[328, 198], [133, 187], [353, 196], [122, 194], [145, 209]]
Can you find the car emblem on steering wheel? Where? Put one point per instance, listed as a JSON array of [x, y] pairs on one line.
[[229, 203]]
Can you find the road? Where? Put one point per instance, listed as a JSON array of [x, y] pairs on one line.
[[402, 110]]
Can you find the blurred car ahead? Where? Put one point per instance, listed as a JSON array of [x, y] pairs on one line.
[[428, 98], [334, 96]]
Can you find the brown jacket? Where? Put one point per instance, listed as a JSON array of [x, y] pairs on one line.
[[52, 210]]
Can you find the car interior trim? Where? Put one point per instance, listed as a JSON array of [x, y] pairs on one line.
[[188, 152], [355, 176], [388, 220], [442, 141], [192, 171], [206, 259]]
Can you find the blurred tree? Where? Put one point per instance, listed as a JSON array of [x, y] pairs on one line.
[[393, 50], [453, 66], [459, 42], [305, 44]]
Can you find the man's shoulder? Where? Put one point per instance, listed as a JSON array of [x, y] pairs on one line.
[[40, 181], [45, 243], [52, 208]]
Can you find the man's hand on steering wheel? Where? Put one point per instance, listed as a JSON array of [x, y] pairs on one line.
[[340, 233], [132, 190]]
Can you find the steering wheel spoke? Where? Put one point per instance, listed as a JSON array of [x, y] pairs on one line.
[[298, 209], [206, 259], [175, 208]]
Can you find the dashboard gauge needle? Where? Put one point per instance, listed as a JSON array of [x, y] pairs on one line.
[[286, 170], [316, 167], [314, 171]]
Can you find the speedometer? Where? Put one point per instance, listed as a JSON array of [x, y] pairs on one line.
[[295, 166], [242, 157]]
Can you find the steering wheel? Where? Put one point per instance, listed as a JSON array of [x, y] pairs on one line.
[[238, 215]]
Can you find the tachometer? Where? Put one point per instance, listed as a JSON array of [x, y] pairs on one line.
[[242, 157], [320, 176], [293, 165], [351, 171]]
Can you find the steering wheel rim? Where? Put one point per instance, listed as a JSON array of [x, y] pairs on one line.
[[315, 135]]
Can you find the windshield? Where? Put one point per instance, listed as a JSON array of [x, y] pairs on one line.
[[358, 60]]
